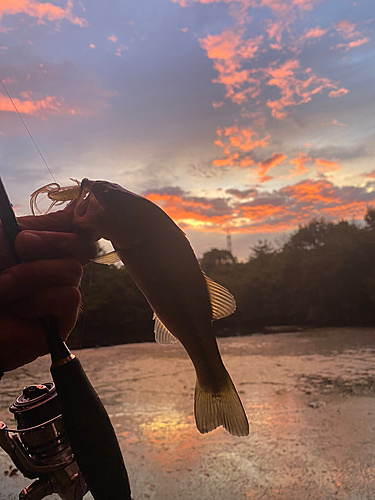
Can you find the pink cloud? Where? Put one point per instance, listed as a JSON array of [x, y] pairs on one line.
[[352, 44], [338, 124], [280, 6], [216, 104], [346, 29], [315, 32], [338, 93], [41, 10], [30, 106], [276, 28], [305, 4]]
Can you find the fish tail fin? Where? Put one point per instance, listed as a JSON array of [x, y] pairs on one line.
[[222, 407]]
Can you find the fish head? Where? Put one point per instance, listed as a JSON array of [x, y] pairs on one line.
[[107, 210]]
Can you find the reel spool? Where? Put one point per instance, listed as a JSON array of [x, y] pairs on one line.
[[39, 447]]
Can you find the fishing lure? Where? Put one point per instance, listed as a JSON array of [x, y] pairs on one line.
[[57, 194]]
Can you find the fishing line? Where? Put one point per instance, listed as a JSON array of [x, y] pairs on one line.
[[28, 131], [53, 177], [84, 313]]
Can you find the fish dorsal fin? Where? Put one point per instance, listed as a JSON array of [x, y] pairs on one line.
[[108, 258], [162, 334], [222, 301]]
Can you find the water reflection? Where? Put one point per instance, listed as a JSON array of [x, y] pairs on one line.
[[310, 404]]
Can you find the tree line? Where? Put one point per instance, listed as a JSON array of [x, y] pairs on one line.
[[324, 275]]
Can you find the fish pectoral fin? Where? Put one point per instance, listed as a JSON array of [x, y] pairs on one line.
[[222, 301], [108, 258], [224, 408], [162, 334]]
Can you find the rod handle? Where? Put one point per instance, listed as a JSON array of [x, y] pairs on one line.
[[90, 432]]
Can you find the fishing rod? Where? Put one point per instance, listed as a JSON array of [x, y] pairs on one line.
[[89, 429]]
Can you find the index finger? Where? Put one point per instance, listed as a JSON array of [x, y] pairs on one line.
[[60, 221], [55, 221]]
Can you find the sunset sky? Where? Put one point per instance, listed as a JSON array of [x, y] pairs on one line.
[[248, 116]]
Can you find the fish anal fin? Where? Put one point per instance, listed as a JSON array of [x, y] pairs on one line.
[[162, 334], [213, 409], [222, 301], [108, 258]]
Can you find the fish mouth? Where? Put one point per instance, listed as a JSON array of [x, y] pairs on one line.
[[83, 198], [87, 209]]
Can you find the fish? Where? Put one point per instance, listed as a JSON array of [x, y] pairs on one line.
[[162, 263]]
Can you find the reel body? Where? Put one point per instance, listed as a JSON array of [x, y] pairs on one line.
[[39, 447]]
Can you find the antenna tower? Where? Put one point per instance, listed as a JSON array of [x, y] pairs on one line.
[[229, 242]]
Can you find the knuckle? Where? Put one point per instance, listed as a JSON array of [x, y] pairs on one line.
[[73, 297], [74, 269]]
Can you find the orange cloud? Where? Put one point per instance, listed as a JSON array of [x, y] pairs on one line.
[[236, 142], [299, 162], [294, 91], [371, 175], [253, 211], [31, 106], [41, 10], [229, 50], [190, 211], [266, 165], [324, 165]]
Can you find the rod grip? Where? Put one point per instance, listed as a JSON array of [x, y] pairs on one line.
[[90, 433]]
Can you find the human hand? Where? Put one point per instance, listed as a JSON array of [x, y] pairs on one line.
[[46, 282]]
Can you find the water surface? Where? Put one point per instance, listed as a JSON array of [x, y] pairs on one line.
[[310, 401]]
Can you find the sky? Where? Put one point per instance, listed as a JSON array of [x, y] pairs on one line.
[[248, 117]]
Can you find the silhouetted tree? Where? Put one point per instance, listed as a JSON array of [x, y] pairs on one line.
[[261, 250], [216, 258], [323, 275], [370, 218]]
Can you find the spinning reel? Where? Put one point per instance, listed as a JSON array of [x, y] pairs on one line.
[[39, 447]]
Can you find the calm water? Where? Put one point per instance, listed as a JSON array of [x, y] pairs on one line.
[[309, 397]]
